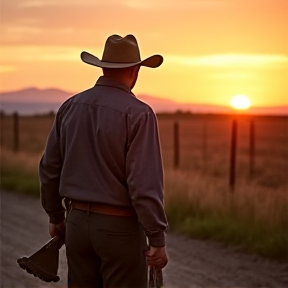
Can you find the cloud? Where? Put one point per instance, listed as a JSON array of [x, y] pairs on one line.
[[135, 4], [22, 30], [233, 75], [43, 3], [224, 60], [164, 4], [7, 68], [39, 53]]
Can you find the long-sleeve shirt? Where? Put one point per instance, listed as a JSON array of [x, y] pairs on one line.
[[104, 148]]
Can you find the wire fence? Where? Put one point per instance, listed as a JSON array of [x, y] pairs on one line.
[[220, 145]]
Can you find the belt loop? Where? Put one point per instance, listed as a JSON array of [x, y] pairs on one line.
[[67, 204]]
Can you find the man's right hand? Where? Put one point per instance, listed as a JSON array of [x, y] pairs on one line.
[[57, 229], [157, 257]]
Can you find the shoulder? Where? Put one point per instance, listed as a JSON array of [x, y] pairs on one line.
[[142, 106], [72, 100], [140, 110]]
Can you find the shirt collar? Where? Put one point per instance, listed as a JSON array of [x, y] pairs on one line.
[[106, 81]]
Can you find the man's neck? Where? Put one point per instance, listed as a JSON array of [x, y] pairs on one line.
[[120, 80]]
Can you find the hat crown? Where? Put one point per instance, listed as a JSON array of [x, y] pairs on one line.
[[121, 50]]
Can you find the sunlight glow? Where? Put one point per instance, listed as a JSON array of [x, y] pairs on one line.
[[8, 68], [221, 60], [240, 102]]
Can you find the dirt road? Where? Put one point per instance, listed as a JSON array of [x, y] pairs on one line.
[[192, 263]]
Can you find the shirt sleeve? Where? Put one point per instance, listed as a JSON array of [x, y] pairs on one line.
[[145, 178], [49, 173]]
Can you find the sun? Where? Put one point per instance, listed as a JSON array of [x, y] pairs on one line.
[[240, 102]]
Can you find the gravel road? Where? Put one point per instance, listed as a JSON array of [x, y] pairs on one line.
[[193, 263]]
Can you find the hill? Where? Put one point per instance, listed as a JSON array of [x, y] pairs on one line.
[[33, 100]]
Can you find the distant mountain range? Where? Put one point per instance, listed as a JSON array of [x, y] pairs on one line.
[[36, 101]]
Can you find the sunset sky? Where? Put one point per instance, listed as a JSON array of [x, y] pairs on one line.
[[212, 49]]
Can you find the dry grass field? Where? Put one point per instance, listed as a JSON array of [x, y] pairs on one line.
[[197, 195], [271, 146]]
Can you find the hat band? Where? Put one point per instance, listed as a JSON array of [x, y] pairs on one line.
[[121, 62]]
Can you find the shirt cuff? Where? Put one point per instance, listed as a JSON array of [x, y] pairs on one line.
[[157, 239], [57, 219]]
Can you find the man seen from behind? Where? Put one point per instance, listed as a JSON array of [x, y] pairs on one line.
[[103, 154]]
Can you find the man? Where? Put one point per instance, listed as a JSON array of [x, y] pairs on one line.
[[103, 154]]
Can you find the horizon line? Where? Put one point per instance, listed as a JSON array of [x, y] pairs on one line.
[[197, 104]]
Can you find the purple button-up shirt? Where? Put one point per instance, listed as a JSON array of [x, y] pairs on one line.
[[104, 147]]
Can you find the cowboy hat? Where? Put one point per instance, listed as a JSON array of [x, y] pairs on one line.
[[121, 52]]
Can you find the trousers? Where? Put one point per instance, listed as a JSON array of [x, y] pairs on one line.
[[105, 251]]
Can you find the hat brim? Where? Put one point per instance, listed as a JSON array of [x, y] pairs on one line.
[[153, 61]]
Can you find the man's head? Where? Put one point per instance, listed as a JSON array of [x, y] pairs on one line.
[[122, 55], [127, 76]]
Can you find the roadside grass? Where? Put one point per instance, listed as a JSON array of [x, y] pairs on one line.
[[249, 218], [19, 172], [253, 218]]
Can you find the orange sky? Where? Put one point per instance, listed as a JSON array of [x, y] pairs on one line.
[[213, 49]]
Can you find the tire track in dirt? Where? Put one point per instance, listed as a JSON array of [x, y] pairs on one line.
[[193, 263]]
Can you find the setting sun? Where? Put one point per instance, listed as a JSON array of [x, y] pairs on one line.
[[240, 102]]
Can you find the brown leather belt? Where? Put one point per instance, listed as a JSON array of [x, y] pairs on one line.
[[105, 209]]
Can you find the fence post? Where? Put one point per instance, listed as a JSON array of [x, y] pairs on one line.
[[16, 132], [176, 145], [252, 148], [233, 156], [204, 144]]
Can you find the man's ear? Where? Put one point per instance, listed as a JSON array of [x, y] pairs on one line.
[[131, 72], [136, 70]]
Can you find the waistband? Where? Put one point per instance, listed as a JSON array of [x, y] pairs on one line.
[[104, 209]]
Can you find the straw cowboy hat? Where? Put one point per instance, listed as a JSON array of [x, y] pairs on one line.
[[121, 52]]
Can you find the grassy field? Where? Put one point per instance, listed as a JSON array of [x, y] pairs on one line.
[[198, 200]]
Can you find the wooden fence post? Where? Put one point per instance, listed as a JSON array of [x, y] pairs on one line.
[[176, 145], [15, 132], [233, 156], [204, 144], [252, 149]]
